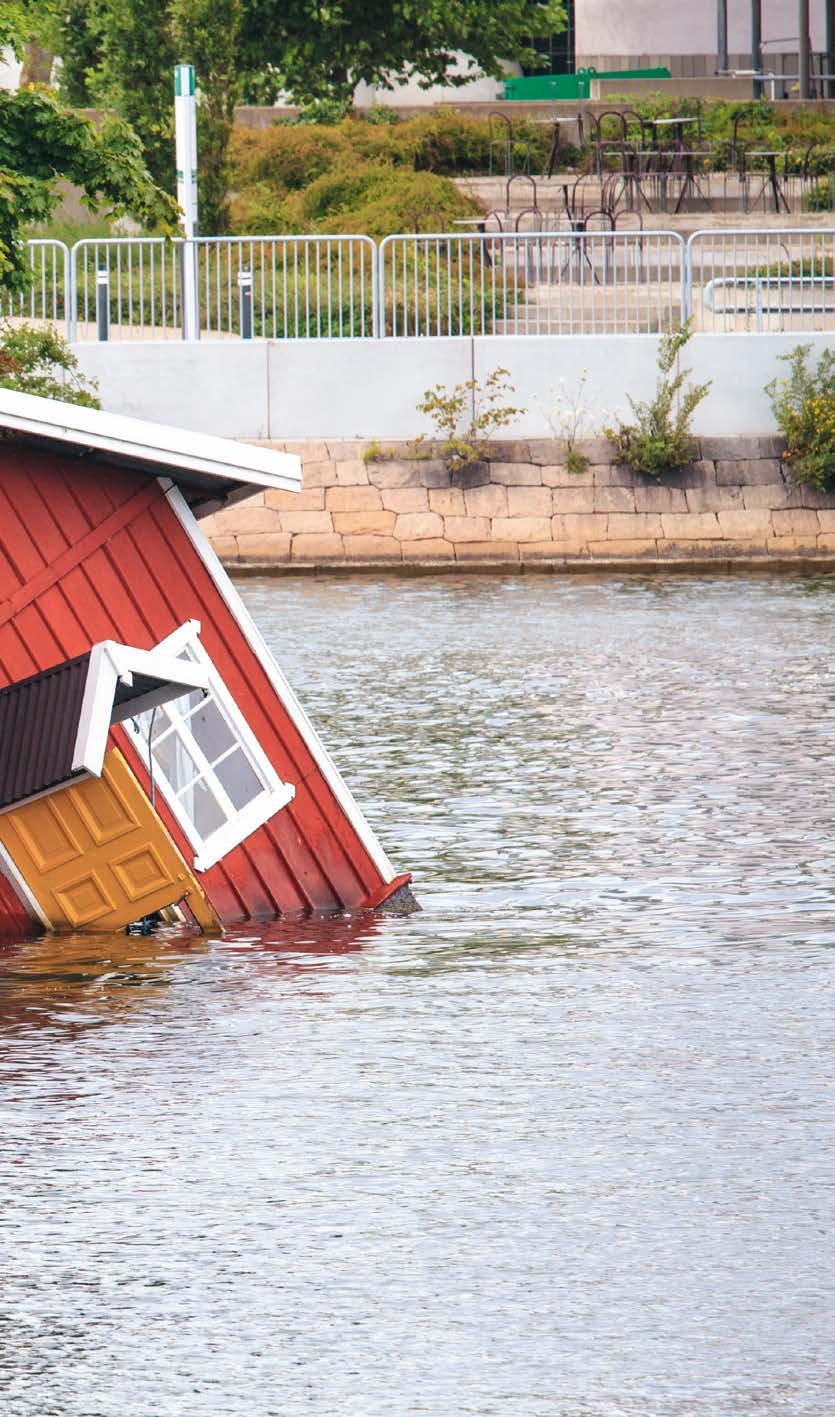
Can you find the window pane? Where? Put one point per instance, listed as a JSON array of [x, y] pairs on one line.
[[204, 810], [210, 730], [188, 702], [175, 761], [238, 779]]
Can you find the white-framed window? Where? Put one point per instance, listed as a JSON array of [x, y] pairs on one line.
[[206, 761]]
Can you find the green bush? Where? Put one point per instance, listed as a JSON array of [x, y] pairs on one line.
[[39, 361], [804, 407], [660, 440]]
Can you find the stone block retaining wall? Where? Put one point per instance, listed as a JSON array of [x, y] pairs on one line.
[[735, 503]]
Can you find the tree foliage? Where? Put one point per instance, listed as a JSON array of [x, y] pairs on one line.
[[42, 141], [121, 53], [41, 362]]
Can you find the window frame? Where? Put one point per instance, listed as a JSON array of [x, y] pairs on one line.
[[244, 821]]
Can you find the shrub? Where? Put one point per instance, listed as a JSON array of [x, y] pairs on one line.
[[467, 416], [821, 196], [804, 407], [36, 361], [660, 439]]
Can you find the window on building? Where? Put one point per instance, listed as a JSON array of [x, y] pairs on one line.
[[206, 761]]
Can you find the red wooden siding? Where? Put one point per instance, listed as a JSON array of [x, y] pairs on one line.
[[126, 570], [14, 920]]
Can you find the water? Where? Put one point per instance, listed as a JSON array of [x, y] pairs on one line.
[[561, 1144]]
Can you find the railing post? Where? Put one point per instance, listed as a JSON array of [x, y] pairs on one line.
[[188, 285], [245, 296], [103, 304]]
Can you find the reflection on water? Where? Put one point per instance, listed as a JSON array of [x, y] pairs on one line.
[[560, 1144]]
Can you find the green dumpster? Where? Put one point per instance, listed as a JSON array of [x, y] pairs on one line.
[[535, 87]]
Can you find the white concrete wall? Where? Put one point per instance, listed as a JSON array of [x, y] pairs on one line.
[[369, 388], [658, 27]]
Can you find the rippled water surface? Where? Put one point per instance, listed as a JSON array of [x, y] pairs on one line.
[[560, 1144]]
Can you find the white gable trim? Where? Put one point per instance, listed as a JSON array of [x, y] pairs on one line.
[[252, 634], [110, 663], [158, 444]]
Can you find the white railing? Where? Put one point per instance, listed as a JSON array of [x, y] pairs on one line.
[[44, 303], [128, 286], [531, 283], [447, 284], [762, 281], [299, 287]]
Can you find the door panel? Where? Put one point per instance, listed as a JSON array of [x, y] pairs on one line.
[[96, 856]]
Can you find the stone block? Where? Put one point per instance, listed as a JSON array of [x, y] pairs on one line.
[[309, 499], [748, 472], [510, 450], [487, 551], [353, 499], [826, 519], [245, 517], [351, 473], [317, 548], [793, 545], [573, 499], [775, 497], [599, 451], [364, 523], [654, 497], [529, 501], [795, 522], [694, 548], [513, 474], [553, 550], [398, 474], [747, 524], [808, 497], [319, 474], [309, 451], [614, 499], [266, 546], [474, 474], [226, 547], [489, 501], [616, 474], [627, 547], [433, 472], [521, 528], [701, 473], [626, 526], [314, 522], [345, 449], [545, 451], [418, 526], [826, 542], [582, 526], [430, 550], [446, 501], [693, 526], [467, 528], [713, 499], [723, 447], [407, 499], [557, 475], [372, 548]]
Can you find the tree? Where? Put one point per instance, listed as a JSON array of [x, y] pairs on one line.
[[121, 53], [317, 50]]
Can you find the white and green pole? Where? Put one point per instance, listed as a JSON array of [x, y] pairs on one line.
[[185, 127]]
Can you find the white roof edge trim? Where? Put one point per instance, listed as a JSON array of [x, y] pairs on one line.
[[159, 444]]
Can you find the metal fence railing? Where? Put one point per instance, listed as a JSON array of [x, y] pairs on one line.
[[300, 287], [531, 283], [45, 302], [762, 281], [128, 286], [484, 283]]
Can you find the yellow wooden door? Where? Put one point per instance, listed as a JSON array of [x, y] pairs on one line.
[[96, 855]]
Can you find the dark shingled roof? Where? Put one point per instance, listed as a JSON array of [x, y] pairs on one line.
[[38, 728]]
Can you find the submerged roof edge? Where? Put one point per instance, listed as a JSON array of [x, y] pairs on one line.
[[158, 444]]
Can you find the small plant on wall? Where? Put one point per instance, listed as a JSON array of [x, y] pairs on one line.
[[659, 439], [570, 419], [468, 416], [804, 408]]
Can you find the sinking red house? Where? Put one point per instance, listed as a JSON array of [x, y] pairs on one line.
[[150, 746]]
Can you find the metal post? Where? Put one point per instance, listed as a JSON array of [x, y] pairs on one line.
[[757, 44], [722, 36], [103, 304], [245, 291], [803, 67], [185, 120], [829, 45]]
